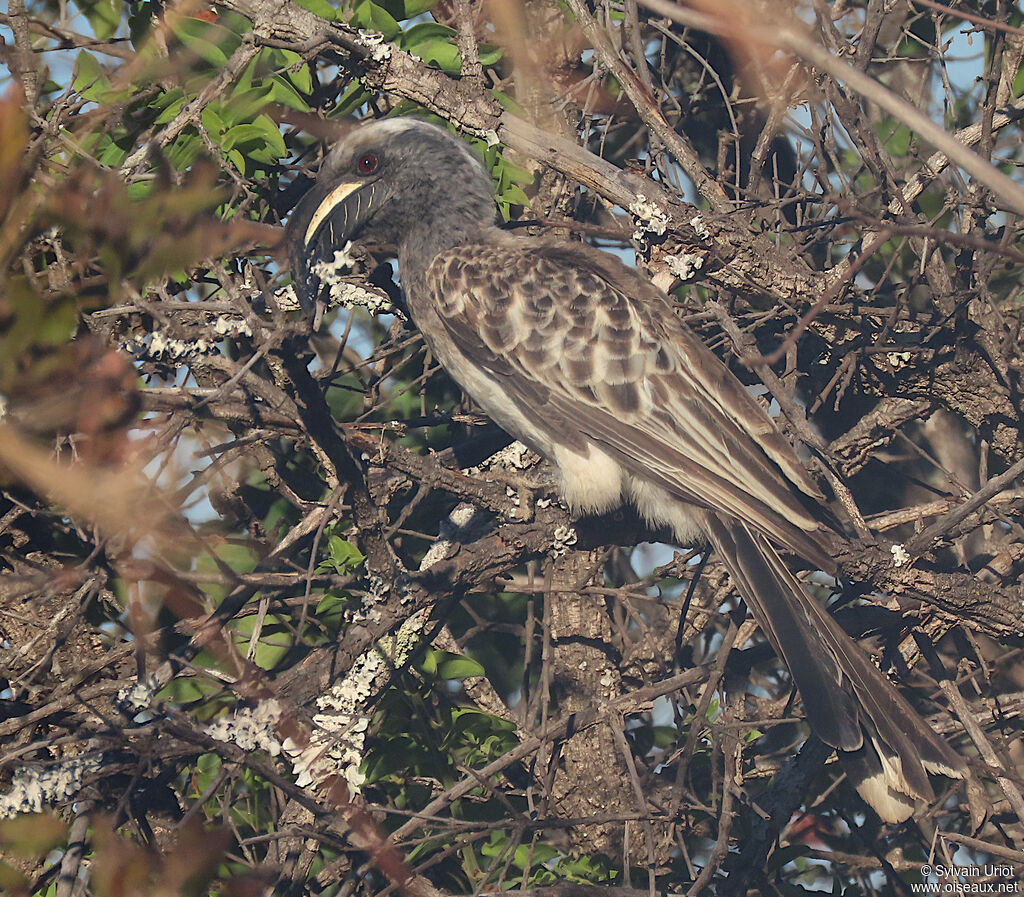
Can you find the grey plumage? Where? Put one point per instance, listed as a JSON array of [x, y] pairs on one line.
[[585, 361]]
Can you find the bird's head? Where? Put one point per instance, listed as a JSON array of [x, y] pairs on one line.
[[396, 181]]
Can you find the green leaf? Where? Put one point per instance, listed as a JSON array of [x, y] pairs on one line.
[[472, 723], [319, 7], [244, 105], [507, 102], [298, 72], [375, 18], [30, 322], [353, 97], [433, 43], [172, 110], [489, 54], [104, 16], [408, 9], [242, 135], [185, 149], [331, 610], [207, 769], [269, 650], [91, 81], [542, 853], [516, 173], [587, 868], [110, 153], [515, 196], [342, 556], [140, 190], [207, 40], [426, 31], [58, 326], [428, 665], [282, 92], [212, 122], [272, 134], [455, 666], [441, 53], [896, 137], [87, 74]]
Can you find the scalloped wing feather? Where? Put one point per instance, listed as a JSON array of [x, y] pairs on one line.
[[583, 345]]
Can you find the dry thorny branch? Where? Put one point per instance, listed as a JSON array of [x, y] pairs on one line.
[[295, 589]]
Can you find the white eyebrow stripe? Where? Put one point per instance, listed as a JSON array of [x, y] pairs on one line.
[[329, 203]]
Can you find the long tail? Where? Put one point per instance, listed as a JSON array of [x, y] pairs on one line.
[[886, 748]]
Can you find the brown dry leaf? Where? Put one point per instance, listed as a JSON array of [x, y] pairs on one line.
[[32, 834], [120, 501], [194, 860], [545, 54], [83, 387], [747, 36], [120, 868], [13, 143], [329, 131]]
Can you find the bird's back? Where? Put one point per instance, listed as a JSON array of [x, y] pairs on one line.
[[570, 348]]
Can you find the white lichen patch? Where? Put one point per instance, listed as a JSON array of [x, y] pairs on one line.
[[340, 264], [899, 360], [900, 555], [378, 590], [648, 218], [516, 456], [250, 728], [230, 325], [158, 345], [137, 698], [352, 295], [286, 299], [336, 745], [700, 228], [563, 538], [380, 49], [33, 788], [685, 265], [464, 520], [168, 347], [439, 550], [345, 293]]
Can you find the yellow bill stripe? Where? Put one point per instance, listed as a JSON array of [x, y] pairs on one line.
[[330, 202]]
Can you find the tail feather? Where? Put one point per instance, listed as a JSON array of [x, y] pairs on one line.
[[886, 748]]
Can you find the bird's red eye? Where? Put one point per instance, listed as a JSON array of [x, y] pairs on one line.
[[367, 164]]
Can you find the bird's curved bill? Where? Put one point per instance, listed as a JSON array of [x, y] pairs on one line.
[[320, 227]]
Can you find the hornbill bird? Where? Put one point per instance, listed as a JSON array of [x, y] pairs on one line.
[[585, 361]]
